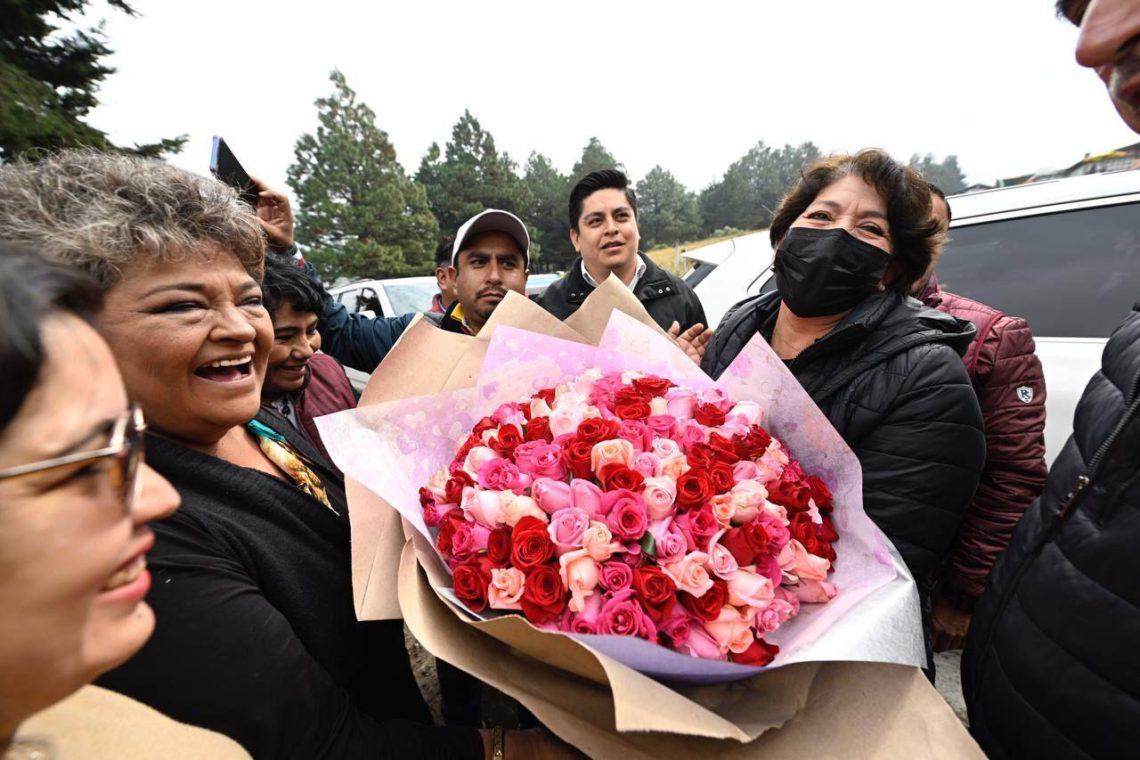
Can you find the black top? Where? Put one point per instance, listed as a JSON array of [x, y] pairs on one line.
[[1050, 667], [664, 295], [257, 636]]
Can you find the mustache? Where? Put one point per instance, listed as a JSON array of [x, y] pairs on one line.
[[1126, 66], [491, 292]]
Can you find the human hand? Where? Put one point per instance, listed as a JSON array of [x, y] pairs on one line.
[[693, 341], [950, 626], [537, 744], [275, 215]]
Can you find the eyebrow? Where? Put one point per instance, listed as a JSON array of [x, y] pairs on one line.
[[865, 215], [194, 287], [617, 210], [101, 429]]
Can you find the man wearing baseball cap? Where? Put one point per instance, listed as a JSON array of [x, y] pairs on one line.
[[491, 255]]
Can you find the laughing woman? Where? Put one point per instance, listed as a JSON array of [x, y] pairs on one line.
[[259, 638]]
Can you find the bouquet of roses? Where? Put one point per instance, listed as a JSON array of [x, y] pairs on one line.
[[624, 504]]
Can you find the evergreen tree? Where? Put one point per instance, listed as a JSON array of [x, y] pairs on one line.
[[548, 193], [469, 176], [946, 173], [667, 212], [360, 215], [48, 81], [594, 157], [751, 189]]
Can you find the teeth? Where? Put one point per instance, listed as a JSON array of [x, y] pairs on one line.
[[126, 575], [231, 362]]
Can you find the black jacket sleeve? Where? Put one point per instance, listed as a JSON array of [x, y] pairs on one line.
[[214, 624]]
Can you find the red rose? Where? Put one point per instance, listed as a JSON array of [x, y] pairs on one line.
[[616, 476], [482, 426], [700, 456], [652, 386], [576, 455], [709, 415], [827, 531], [812, 536], [820, 493], [745, 542], [693, 489], [447, 530], [547, 395], [530, 544], [543, 597], [723, 449], [595, 430], [453, 491], [656, 591], [427, 498], [506, 440], [632, 410], [708, 605], [470, 580], [538, 429], [499, 545], [794, 496], [760, 653], [630, 394], [721, 478], [753, 444]]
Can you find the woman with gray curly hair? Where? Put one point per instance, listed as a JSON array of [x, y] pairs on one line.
[[257, 634]]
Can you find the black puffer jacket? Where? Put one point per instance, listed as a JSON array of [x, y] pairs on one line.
[[890, 379], [1051, 667], [664, 295]]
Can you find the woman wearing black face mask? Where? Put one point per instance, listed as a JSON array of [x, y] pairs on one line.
[[851, 237]]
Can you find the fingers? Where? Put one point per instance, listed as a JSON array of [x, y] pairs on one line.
[[674, 329]]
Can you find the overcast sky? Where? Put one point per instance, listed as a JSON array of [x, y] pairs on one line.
[[691, 86]]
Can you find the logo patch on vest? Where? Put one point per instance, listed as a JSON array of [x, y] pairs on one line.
[[1025, 394]]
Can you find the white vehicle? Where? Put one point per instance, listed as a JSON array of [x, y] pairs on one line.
[[387, 298], [1064, 254]]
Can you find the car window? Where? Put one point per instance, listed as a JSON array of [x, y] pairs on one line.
[[1073, 274], [410, 296], [367, 300]]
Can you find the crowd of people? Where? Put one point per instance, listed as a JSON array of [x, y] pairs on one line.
[[142, 306]]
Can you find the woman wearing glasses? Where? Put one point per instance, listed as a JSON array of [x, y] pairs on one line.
[[259, 638], [75, 502]]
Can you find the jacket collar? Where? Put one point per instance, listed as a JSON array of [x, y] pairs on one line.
[[654, 282], [931, 293]]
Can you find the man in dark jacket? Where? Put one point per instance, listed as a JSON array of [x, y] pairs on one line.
[[1050, 667], [1007, 377], [889, 380], [603, 230]]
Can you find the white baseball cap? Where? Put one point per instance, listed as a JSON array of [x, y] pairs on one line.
[[492, 220]]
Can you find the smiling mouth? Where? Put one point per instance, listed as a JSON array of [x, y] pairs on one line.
[[126, 575], [226, 370], [613, 246]]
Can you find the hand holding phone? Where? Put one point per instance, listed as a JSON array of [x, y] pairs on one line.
[[225, 166]]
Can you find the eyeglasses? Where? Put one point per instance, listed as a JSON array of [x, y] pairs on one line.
[[125, 450]]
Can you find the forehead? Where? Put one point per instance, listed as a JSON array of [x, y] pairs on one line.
[[208, 267], [608, 199], [492, 244], [852, 192], [287, 315]]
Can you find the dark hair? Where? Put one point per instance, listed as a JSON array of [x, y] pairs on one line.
[[32, 288], [443, 253], [603, 179], [938, 191], [285, 281], [914, 235]]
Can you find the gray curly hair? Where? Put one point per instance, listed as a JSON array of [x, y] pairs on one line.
[[103, 211]]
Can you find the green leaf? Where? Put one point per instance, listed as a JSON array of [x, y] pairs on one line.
[[649, 545]]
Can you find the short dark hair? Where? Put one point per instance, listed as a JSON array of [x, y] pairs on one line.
[[938, 191], [603, 179], [914, 235], [443, 253], [32, 288], [1066, 9], [285, 281]]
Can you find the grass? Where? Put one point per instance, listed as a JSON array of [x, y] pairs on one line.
[[663, 255]]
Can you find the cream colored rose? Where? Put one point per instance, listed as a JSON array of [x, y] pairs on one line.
[[476, 458], [674, 466], [732, 630], [506, 589], [658, 405], [659, 495], [689, 573], [516, 507], [617, 450], [749, 589], [598, 541], [579, 574]]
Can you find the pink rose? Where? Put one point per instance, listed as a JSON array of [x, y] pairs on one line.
[[637, 433], [805, 565], [747, 589], [670, 543], [615, 576], [622, 615], [665, 448], [468, 539], [586, 496], [661, 425], [476, 458], [509, 414], [498, 474], [777, 530], [515, 508], [814, 592], [565, 419], [677, 627], [745, 470], [701, 644], [673, 466], [749, 410], [625, 514], [721, 562], [774, 615], [688, 433], [614, 451], [680, 403], [732, 631], [540, 459], [722, 508], [748, 498], [698, 526], [484, 507], [689, 573], [551, 495], [599, 543], [646, 463], [586, 621], [580, 576], [506, 588], [659, 495], [567, 529]]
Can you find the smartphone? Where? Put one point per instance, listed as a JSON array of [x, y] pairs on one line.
[[224, 165]]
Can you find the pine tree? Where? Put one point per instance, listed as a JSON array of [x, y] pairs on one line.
[[360, 215], [548, 193], [667, 212], [946, 173], [48, 81], [751, 189], [594, 157]]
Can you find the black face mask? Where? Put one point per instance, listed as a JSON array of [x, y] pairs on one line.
[[825, 272]]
